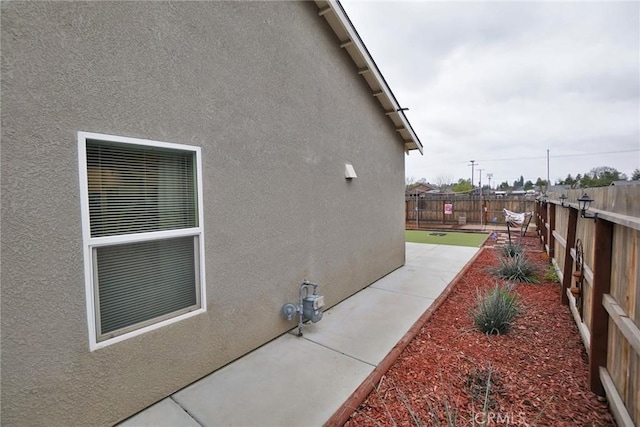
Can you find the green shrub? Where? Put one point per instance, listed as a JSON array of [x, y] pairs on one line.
[[495, 310], [516, 269], [512, 249], [552, 275]]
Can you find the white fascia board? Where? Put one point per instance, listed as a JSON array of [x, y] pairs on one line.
[[355, 38]]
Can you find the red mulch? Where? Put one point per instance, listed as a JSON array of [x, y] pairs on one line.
[[539, 368]]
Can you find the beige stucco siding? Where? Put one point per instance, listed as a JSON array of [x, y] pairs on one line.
[[278, 109]]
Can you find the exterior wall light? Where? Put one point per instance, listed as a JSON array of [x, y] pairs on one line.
[[583, 204], [349, 171], [563, 197]]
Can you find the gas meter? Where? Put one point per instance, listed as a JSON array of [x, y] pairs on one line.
[[309, 307], [312, 307]]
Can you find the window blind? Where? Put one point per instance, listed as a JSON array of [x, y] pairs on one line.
[[145, 281], [136, 189]]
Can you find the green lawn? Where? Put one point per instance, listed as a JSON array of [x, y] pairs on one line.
[[449, 238]]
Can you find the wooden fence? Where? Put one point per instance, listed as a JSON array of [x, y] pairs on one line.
[[451, 209], [603, 291]]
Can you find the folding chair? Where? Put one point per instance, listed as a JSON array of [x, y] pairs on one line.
[[513, 219]]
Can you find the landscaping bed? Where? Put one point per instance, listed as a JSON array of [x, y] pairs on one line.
[[453, 374]]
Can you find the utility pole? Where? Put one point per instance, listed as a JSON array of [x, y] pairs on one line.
[[548, 183], [472, 165], [489, 176], [480, 185]]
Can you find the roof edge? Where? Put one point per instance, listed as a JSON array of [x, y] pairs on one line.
[[383, 93]]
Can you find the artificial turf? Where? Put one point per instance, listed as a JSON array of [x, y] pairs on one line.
[[449, 238]]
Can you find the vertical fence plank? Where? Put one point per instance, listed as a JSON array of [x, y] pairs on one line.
[[545, 225], [539, 227], [599, 317], [552, 227], [567, 273]]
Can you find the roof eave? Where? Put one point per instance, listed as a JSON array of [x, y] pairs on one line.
[[339, 22]]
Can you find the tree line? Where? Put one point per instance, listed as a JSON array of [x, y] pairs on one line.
[[601, 176], [598, 177]]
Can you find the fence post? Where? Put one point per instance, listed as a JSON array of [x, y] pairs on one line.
[[552, 227], [599, 317], [538, 217], [567, 272], [543, 220]]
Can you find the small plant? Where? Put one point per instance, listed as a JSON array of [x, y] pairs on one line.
[[516, 269], [495, 310], [484, 378], [441, 411], [478, 381], [552, 275], [512, 249]]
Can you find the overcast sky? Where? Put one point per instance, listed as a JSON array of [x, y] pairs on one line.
[[489, 81]]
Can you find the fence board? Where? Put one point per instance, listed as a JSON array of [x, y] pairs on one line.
[[630, 331], [618, 210], [625, 277], [558, 261], [582, 328], [599, 317], [431, 208], [617, 358], [623, 419], [633, 398], [567, 260], [586, 303]]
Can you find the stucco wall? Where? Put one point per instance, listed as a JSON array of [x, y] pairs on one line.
[[277, 108]]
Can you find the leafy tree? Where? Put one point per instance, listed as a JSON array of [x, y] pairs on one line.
[[504, 186], [587, 181], [528, 185], [635, 175], [541, 184], [601, 176], [570, 181], [518, 182], [463, 186]]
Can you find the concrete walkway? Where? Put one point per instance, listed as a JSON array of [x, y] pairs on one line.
[[294, 381]]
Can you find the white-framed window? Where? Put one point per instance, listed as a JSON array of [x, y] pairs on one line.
[[142, 233]]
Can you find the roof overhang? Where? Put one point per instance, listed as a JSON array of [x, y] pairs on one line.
[[350, 41]]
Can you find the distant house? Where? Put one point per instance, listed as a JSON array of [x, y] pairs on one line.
[[420, 190], [172, 171]]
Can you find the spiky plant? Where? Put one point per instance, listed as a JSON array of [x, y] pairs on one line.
[[516, 269], [512, 249], [495, 310]]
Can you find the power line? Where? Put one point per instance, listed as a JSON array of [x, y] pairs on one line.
[[560, 155]]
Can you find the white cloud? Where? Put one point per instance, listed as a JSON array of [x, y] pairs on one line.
[[493, 80]]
